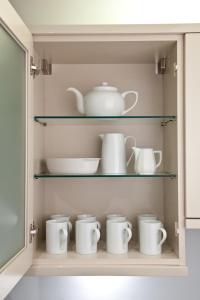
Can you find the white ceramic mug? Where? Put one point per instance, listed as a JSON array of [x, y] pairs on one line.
[[118, 234], [62, 217], [87, 236], [89, 217], [152, 236], [118, 217], [56, 236], [144, 217]]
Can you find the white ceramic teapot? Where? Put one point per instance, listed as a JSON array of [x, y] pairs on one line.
[[103, 100], [145, 162]]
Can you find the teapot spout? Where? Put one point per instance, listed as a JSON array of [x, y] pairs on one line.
[[79, 99]]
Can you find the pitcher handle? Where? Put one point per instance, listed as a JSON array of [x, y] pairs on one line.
[[164, 233], [160, 158], [134, 140], [135, 101]]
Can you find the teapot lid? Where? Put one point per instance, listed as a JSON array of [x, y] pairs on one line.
[[105, 87]]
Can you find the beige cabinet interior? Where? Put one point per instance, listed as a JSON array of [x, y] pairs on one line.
[[126, 64]]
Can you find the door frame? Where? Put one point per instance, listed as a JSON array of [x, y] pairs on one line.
[[14, 269]]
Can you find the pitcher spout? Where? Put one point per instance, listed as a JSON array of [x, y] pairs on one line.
[[101, 136], [79, 99]]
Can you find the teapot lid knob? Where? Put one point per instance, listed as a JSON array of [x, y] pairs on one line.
[[104, 84]]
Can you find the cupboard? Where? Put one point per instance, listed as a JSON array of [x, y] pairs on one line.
[[150, 60]]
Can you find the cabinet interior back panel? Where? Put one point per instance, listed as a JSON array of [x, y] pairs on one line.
[[102, 196]]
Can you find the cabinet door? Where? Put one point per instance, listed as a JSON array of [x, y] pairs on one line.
[[192, 126], [15, 130]]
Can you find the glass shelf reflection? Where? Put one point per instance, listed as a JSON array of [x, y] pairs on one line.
[[64, 120], [97, 175]]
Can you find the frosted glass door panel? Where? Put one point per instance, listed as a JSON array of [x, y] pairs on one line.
[[12, 146]]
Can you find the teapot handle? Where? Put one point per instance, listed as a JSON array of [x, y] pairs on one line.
[[135, 102], [160, 158]]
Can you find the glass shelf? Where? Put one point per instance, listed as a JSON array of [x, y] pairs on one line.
[[127, 175], [64, 120]]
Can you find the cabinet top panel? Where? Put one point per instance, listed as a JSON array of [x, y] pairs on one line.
[[104, 52], [114, 29]]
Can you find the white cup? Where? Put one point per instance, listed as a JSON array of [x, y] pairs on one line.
[[87, 236], [118, 234], [89, 217], [62, 217], [85, 216], [152, 236], [56, 236], [145, 217], [118, 217]]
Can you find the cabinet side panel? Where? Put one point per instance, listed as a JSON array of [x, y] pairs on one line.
[[38, 151], [192, 110], [173, 150]]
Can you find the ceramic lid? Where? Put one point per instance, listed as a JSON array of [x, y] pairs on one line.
[[105, 87]]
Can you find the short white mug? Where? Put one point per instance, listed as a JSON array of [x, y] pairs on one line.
[[62, 217], [56, 236], [118, 234], [89, 217], [118, 217], [87, 236], [152, 236]]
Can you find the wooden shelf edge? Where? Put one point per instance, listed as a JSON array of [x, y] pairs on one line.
[[107, 270]]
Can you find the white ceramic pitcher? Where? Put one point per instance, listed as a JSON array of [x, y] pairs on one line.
[[145, 162], [114, 153]]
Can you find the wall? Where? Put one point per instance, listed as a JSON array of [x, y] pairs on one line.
[[35, 12], [117, 288]]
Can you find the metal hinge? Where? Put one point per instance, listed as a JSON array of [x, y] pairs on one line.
[[33, 231], [44, 69], [162, 65], [33, 68], [177, 231]]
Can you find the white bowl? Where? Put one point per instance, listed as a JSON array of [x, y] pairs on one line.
[[72, 165]]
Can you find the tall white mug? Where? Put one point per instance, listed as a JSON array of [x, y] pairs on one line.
[[56, 236], [89, 217], [118, 217], [87, 236], [118, 235], [152, 236], [62, 217]]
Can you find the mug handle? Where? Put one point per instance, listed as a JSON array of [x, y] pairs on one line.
[[164, 233], [98, 225], [129, 225], [129, 234], [134, 140], [64, 234], [96, 233], [160, 158], [69, 225], [135, 102]]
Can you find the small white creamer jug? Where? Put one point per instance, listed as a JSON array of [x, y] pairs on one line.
[[145, 162]]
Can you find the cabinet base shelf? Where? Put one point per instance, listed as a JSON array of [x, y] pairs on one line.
[[103, 263]]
